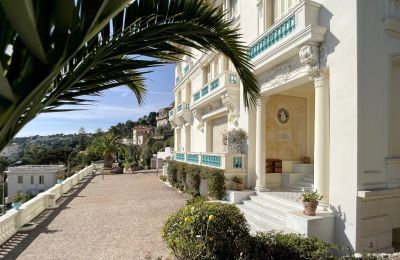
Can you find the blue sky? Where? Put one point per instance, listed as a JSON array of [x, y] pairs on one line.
[[114, 106]]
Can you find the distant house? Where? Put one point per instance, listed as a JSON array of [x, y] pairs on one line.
[[141, 134], [162, 118], [32, 178], [10, 152]]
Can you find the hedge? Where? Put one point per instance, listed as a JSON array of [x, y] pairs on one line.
[[178, 171]]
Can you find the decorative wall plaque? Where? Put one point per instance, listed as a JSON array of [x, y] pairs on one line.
[[283, 116]]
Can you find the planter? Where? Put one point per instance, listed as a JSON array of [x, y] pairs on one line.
[[310, 208], [240, 186], [16, 205]]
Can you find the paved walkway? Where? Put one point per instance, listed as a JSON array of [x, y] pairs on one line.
[[118, 217]]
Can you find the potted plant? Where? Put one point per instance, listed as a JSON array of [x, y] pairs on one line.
[[127, 167], [233, 140], [181, 187], [310, 202], [239, 182], [18, 199]]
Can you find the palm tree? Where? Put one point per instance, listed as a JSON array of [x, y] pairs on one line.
[[54, 52], [108, 146]]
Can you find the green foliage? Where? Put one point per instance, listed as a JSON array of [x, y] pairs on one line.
[[147, 154], [19, 197], [134, 154], [172, 172], [163, 177], [194, 174], [207, 230], [312, 196], [182, 172], [238, 179], [273, 245], [216, 182], [107, 145], [169, 142], [157, 146]]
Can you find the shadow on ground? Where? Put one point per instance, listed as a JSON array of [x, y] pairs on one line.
[[21, 240]]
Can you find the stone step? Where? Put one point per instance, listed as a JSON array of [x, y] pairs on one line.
[[268, 209], [277, 205], [303, 168], [308, 179], [262, 220], [305, 184], [289, 200], [300, 188], [255, 224]]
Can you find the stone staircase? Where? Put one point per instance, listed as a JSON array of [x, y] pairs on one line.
[[305, 184], [268, 210]]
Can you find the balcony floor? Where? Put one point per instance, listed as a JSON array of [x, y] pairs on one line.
[[119, 217]]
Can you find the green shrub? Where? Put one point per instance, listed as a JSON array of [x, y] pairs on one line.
[[276, 245], [194, 200], [181, 171], [207, 230], [163, 177], [216, 182], [172, 172], [194, 174]]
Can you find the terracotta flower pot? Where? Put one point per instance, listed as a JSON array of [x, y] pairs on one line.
[[310, 207], [239, 186]]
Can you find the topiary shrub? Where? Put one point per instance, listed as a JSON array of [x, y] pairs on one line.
[[207, 230], [193, 172], [277, 245], [181, 171], [172, 172], [216, 182]]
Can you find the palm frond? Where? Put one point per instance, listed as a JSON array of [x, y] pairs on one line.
[[86, 53]]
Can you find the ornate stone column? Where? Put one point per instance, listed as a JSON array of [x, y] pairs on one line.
[[260, 147], [321, 137]]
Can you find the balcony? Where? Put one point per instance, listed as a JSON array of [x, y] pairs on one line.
[[284, 38], [230, 162], [180, 115], [225, 81]]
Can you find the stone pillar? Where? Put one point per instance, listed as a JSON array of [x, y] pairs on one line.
[[260, 147], [321, 138]]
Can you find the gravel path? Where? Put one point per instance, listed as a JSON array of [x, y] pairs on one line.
[[119, 217]]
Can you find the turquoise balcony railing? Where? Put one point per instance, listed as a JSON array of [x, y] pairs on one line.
[[211, 160], [204, 91], [186, 69], [180, 156], [192, 158], [196, 96], [214, 84], [223, 79], [179, 108], [177, 80], [274, 36]]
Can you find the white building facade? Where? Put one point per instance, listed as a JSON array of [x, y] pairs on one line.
[[329, 78], [32, 178]]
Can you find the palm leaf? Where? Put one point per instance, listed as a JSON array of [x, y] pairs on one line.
[[96, 54]]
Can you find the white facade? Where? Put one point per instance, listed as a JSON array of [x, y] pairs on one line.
[[32, 178], [328, 72]]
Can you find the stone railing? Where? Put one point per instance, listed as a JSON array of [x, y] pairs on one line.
[[14, 219], [231, 162]]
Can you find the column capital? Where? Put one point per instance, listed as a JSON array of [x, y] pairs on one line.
[[320, 77]]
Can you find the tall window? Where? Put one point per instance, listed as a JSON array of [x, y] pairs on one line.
[[20, 179], [233, 7], [282, 7], [41, 179], [394, 110], [32, 179]]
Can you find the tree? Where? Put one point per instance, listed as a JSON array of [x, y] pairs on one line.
[[134, 154], [108, 146], [58, 51]]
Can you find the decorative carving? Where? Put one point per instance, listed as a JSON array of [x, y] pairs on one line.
[[309, 57], [198, 116], [233, 111], [283, 73], [260, 7]]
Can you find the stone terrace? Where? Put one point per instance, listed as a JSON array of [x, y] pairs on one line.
[[118, 217]]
